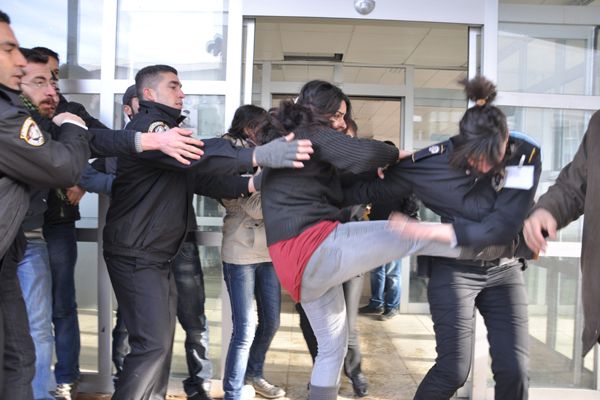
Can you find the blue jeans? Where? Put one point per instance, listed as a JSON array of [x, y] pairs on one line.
[[36, 284], [386, 285], [249, 343], [62, 249]]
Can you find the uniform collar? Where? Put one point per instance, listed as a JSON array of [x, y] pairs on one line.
[[11, 95], [172, 115]]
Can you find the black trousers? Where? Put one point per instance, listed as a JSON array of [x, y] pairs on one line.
[[19, 352], [191, 297], [498, 293], [147, 298]]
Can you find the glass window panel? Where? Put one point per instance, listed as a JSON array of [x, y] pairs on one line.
[[378, 118], [551, 284], [206, 115], [434, 124], [91, 102], [540, 58], [73, 29], [196, 48], [560, 132], [86, 286]]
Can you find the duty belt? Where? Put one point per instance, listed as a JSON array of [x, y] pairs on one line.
[[478, 263]]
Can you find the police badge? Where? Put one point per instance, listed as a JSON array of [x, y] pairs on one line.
[[498, 180], [31, 133], [158, 126]]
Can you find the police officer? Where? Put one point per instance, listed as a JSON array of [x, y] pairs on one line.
[[27, 158], [482, 183], [147, 223]]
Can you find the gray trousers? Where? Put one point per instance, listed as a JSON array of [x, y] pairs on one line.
[[351, 249]]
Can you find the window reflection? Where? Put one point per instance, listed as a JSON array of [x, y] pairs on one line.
[[559, 131], [554, 324], [554, 59], [73, 29], [188, 35]]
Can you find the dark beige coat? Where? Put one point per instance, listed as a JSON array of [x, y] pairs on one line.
[[566, 201]]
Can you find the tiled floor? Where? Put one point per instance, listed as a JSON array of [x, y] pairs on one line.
[[396, 355]]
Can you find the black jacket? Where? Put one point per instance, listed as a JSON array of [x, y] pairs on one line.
[[149, 214], [27, 159], [481, 210], [294, 200], [103, 142]]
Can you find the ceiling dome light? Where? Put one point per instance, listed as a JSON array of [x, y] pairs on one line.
[[364, 7]]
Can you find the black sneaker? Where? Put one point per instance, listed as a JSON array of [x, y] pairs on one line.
[[360, 384], [370, 309], [200, 395], [388, 314]]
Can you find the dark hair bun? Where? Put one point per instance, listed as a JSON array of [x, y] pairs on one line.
[[480, 90]]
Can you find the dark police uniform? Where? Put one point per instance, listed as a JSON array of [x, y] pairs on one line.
[[28, 158], [484, 210], [147, 222]]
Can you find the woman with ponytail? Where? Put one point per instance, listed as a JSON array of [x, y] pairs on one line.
[[481, 183]]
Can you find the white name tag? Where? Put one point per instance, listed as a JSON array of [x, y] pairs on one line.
[[519, 177]]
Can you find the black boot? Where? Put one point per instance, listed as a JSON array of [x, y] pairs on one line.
[[360, 384]]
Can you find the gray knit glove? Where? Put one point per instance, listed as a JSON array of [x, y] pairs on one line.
[[278, 153]]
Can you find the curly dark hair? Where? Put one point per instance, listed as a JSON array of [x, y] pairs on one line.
[[286, 118]]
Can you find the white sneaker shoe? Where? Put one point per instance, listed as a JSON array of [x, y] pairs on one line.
[[264, 388], [66, 391]]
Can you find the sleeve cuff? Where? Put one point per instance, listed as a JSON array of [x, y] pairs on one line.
[[138, 142], [245, 159], [453, 241]]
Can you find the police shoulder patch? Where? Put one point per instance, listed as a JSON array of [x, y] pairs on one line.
[[158, 126], [428, 152], [31, 133]]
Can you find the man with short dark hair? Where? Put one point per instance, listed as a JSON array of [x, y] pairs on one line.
[[27, 158], [148, 220], [38, 92]]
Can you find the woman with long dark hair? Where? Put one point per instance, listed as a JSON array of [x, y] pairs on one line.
[[248, 274], [313, 250]]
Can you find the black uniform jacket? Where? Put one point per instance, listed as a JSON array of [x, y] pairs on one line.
[[28, 158], [152, 193], [482, 211]]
